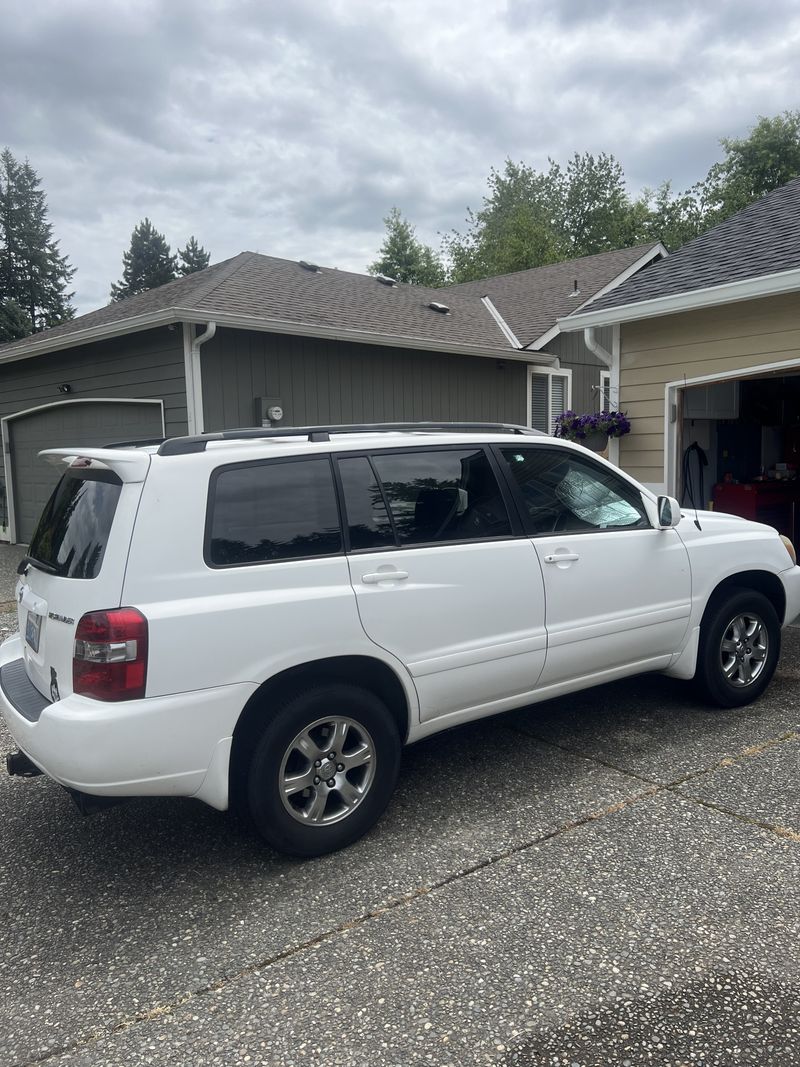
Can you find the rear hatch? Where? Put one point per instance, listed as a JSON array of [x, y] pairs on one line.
[[76, 559]]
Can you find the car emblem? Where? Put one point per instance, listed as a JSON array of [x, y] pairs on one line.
[[54, 693]]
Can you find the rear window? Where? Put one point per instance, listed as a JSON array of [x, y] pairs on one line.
[[75, 525], [261, 512]]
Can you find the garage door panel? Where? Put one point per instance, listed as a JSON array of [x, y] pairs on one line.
[[72, 423]]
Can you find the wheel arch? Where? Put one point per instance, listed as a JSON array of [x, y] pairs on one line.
[[764, 582], [365, 671]]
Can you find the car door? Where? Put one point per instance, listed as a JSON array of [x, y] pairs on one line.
[[617, 591], [443, 580]]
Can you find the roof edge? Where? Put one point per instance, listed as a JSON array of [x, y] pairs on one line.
[[656, 251], [167, 316], [762, 285]]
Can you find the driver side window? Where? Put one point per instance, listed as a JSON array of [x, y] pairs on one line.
[[564, 493]]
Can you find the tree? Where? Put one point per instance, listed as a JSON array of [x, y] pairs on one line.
[[147, 264], [755, 165], [530, 218], [33, 273], [193, 257], [404, 258]]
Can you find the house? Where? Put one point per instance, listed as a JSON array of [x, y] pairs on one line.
[[255, 340], [706, 353]]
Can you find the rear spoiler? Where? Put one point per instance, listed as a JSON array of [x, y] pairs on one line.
[[129, 466]]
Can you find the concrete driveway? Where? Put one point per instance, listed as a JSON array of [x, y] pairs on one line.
[[612, 878]]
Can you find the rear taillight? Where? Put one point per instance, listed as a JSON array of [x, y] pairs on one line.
[[110, 659]]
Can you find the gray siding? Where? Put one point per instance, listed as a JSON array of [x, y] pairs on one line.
[[142, 365], [585, 366], [321, 381]]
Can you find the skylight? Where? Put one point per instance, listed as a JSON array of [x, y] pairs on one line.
[[385, 280], [310, 266], [442, 309]]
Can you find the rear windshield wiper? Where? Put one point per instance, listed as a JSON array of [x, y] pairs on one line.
[[31, 561]]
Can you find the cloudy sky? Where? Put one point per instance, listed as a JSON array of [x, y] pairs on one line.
[[290, 127]]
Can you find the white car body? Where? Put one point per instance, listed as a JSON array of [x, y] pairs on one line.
[[467, 630]]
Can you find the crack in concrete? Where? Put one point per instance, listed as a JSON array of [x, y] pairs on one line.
[[165, 1010]]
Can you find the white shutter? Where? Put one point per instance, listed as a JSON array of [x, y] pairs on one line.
[[558, 398], [539, 402]]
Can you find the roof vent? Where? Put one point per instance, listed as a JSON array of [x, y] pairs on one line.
[[384, 280], [443, 309], [310, 266], [575, 290]]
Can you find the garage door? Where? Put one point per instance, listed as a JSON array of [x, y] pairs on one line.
[[62, 426]]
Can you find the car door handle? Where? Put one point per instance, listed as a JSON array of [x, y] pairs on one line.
[[384, 576], [562, 557]]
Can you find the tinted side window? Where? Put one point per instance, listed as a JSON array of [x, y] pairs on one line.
[[563, 493], [447, 495], [367, 518], [271, 511]]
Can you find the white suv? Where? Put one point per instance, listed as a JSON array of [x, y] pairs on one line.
[[263, 618]]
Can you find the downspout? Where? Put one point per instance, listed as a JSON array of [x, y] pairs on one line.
[[612, 362], [193, 372]]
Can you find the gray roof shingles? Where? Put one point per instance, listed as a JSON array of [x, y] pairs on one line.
[[763, 238], [530, 301], [267, 290]]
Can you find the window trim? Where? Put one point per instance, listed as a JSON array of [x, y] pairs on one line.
[[549, 373], [511, 506], [271, 461], [519, 500]]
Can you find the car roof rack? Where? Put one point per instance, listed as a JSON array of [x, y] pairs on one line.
[[184, 446]]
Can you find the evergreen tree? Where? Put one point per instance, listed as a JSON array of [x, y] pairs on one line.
[[404, 258], [193, 257], [147, 264], [33, 273]]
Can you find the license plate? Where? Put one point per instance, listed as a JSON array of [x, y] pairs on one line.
[[33, 629]]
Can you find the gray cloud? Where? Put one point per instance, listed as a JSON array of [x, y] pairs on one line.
[[292, 127]]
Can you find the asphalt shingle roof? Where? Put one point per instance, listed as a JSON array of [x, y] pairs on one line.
[[270, 289], [763, 238], [263, 290], [530, 301]]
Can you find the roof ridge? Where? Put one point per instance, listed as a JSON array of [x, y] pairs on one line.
[[202, 291]]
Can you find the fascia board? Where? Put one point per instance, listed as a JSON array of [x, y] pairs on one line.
[[694, 300], [246, 322]]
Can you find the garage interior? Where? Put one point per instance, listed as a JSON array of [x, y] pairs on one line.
[[740, 449]]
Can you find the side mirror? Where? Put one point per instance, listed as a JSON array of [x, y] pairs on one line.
[[669, 512]]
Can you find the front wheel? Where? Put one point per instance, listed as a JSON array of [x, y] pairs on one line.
[[740, 642], [323, 769]]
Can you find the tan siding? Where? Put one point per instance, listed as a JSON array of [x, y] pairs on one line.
[[724, 340]]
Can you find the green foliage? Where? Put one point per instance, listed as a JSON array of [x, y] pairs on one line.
[[404, 258], [147, 264], [14, 323], [530, 218], [193, 257], [754, 165], [33, 273]]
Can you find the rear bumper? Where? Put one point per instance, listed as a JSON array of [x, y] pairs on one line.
[[160, 746]]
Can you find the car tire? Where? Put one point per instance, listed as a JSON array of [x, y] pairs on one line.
[[302, 800], [740, 641]]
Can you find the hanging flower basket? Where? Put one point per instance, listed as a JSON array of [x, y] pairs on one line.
[[592, 431]]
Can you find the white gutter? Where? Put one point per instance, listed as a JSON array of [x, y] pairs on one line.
[[787, 281], [252, 322], [193, 374], [594, 346]]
